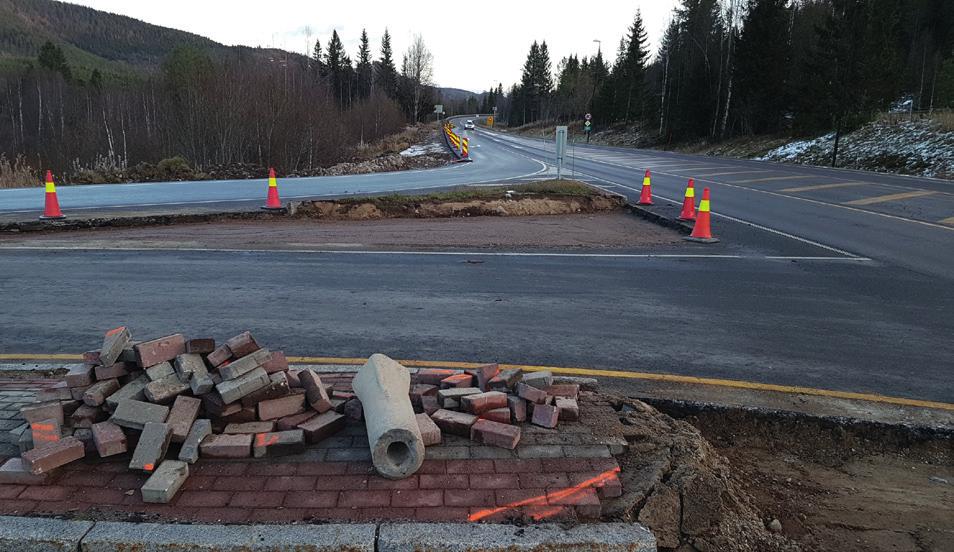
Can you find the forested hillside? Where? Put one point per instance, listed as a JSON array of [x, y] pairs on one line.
[[90, 39], [728, 68], [86, 91]]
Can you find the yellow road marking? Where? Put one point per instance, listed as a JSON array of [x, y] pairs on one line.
[[670, 378], [731, 173], [694, 169], [890, 197], [948, 221], [771, 179], [17, 356], [824, 187]]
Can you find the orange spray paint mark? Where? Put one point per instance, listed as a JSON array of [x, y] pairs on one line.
[[265, 439], [115, 330], [149, 467], [546, 499]]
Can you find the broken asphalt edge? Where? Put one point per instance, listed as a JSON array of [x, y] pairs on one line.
[[660, 219], [48, 534]]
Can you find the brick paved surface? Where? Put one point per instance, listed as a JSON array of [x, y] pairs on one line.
[[552, 475], [14, 395]]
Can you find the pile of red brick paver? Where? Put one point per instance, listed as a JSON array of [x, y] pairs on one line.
[[141, 397], [157, 407]]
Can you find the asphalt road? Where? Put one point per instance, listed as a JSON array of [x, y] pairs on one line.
[[837, 325], [837, 279], [494, 164], [899, 220]]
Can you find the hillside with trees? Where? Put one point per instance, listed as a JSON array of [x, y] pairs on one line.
[[730, 68], [86, 91]]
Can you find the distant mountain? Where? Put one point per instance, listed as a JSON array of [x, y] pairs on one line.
[[450, 95], [115, 44]]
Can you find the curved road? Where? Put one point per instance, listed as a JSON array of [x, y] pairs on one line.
[[494, 164], [824, 278]]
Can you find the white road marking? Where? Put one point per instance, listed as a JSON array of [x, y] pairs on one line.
[[66, 208], [752, 224], [435, 253]]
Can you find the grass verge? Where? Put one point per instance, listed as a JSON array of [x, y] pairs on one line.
[[562, 188]]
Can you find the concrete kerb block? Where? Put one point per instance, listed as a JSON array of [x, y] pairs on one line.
[[187, 364], [244, 365], [164, 483], [160, 371], [190, 448], [134, 390], [136, 414], [30, 534], [456, 537], [152, 446], [154, 537], [397, 448], [114, 342], [54, 535]]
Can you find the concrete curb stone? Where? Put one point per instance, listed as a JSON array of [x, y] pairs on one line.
[[454, 537], [25, 534], [154, 537]]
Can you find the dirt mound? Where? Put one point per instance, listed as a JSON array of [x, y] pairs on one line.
[[680, 487], [528, 206]]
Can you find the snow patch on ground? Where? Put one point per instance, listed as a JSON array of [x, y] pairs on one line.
[[911, 147], [793, 150], [418, 150]]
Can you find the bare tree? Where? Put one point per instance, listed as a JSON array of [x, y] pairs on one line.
[[419, 70]]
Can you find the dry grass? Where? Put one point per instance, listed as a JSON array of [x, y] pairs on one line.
[[943, 118], [396, 143], [17, 174], [562, 188]]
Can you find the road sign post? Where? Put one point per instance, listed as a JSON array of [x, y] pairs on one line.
[[588, 126], [561, 135]]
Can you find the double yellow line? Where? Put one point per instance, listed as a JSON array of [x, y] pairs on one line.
[[570, 371]]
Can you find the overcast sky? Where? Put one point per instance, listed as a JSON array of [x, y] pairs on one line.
[[471, 51]]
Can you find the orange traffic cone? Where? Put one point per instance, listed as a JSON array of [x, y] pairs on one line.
[[701, 232], [272, 203], [51, 211], [689, 203], [646, 197]]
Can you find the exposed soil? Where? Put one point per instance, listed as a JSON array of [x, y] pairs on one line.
[[605, 231], [540, 215], [506, 207], [719, 478]]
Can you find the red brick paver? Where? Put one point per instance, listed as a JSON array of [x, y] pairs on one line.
[[280, 490]]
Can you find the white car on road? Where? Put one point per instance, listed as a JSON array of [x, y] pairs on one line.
[[469, 125]]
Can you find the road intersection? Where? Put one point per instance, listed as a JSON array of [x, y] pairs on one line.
[[821, 280]]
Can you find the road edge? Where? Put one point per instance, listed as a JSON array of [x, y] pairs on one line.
[[50, 534]]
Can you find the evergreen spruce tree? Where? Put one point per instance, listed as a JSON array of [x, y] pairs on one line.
[[96, 80], [632, 73], [335, 66], [386, 78], [364, 66], [52, 58], [761, 66], [317, 62]]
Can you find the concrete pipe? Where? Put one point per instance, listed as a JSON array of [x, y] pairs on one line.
[[397, 449]]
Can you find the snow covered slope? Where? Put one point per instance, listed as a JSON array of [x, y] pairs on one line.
[[920, 148]]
